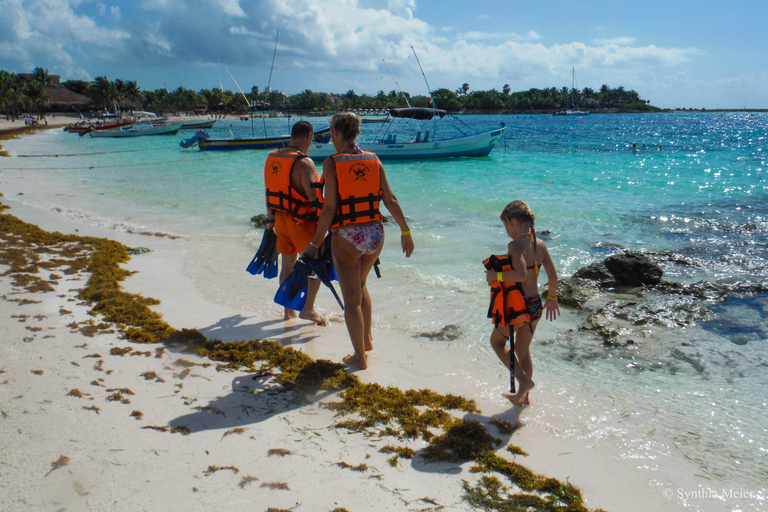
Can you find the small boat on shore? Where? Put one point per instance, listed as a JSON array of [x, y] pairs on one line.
[[145, 129], [420, 145], [193, 124], [107, 122], [208, 144]]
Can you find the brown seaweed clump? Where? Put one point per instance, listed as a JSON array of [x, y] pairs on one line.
[[28, 251], [539, 493]]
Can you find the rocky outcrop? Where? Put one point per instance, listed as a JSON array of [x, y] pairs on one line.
[[633, 268]]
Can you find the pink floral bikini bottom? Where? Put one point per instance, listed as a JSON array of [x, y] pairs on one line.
[[366, 239]]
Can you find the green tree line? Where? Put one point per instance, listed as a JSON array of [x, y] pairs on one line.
[[17, 94]]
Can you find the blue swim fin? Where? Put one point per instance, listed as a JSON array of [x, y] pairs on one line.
[[317, 265], [326, 259], [265, 260], [293, 291]]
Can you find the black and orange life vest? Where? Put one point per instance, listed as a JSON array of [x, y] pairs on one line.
[[507, 300], [280, 194], [359, 185]]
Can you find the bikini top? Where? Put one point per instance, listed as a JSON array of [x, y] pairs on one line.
[[536, 266]]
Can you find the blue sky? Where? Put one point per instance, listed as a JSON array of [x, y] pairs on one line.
[[681, 53]]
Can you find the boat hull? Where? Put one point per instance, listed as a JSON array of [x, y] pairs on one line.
[[197, 125], [168, 129], [85, 128], [260, 143], [479, 144]]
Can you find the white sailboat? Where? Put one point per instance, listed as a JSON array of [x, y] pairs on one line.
[[571, 111]]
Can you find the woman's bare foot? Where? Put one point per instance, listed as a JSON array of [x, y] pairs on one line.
[[354, 361], [290, 314], [312, 316], [521, 397]]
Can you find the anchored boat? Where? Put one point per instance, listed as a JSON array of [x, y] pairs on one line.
[[419, 144]]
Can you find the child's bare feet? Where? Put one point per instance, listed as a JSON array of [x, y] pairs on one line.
[[355, 362], [368, 343], [521, 397], [312, 316], [290, 314]]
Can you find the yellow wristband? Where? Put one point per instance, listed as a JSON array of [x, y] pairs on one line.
[[549, 297], [500, 277], [405, 233]]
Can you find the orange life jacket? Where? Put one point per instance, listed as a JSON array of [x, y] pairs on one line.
[[507, 300], [359, 185], [280, 194]]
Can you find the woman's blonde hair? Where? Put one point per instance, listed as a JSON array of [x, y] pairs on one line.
[[347, 125], [521, 211]]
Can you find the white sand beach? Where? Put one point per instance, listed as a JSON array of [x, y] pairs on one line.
[[82, 423]]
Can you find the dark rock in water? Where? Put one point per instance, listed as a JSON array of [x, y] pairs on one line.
[[633, 268], [596, 272], [702, 290], [748, 288], [260, 221], [575, 292], [450, 332], [620, 319]]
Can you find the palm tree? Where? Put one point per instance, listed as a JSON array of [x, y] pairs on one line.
[[41, 76], [133, 91], [104, 92], [16, 97], [38, 97]]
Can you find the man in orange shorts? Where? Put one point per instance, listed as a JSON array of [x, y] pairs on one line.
[[290, 179]]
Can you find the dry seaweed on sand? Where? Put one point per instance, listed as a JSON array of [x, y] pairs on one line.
[[27, 249], [282, 452], [461, 442], [276, 485], [539, 493], [402, 451], [238, 430], [504, 426], [362, 467], [59, 463], [213, 469], [76, 393], [246, 481], [137, 414], [92, 408], [159, 428]]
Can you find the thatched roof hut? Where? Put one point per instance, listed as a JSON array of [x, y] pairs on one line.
[[59, 94]]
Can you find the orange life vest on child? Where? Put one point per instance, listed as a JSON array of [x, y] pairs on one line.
[[280, 194], [507, 301], [359, 185]]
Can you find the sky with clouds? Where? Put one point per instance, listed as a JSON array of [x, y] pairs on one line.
[[686, 53]]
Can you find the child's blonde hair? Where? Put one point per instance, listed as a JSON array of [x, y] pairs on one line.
[[521, 211]]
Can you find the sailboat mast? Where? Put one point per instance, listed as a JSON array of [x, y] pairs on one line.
[[429, 89], [397, 84], [573, 87], [274, 56], [269, 83]]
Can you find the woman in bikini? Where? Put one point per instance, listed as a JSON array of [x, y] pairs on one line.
[[355, 183], [527, 255]]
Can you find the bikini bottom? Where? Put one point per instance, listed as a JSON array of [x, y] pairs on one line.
[[366, 239]]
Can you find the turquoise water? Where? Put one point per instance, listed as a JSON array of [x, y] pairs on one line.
[[698, 191]]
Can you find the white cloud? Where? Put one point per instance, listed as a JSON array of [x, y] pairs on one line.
[[231, 8], [503, 36], [620, 41]]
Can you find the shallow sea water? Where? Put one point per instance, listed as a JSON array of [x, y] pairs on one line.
[[695, 395]]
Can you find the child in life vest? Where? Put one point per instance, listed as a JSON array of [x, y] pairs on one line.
[[516, 305]]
